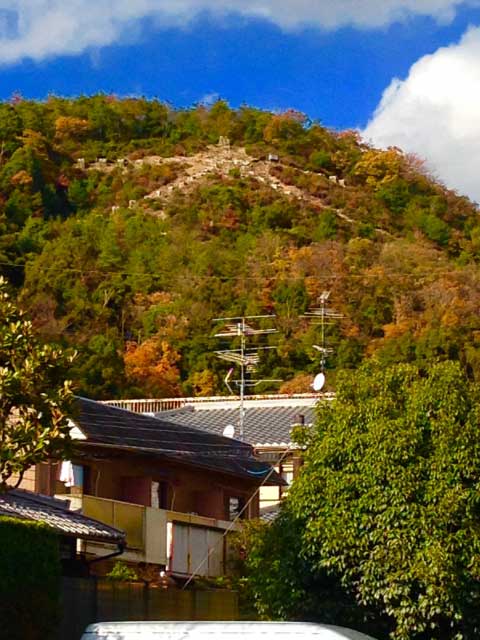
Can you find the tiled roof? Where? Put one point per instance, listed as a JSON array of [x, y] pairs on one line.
[[122, 429], [269, 514], [263, 426], [32, 506]]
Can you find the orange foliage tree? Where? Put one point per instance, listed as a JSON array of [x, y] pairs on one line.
[[301, 383], [204, 383], [152, 365], [70, 127]]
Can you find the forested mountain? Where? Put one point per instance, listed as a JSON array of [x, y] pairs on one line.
[[126, 227]]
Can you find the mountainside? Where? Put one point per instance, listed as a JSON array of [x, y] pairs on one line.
[[127, 226]]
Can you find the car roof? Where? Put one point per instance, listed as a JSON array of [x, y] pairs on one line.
[[173, 630]]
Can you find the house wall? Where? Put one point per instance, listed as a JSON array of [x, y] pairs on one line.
[[186, 490], [28, 480], [199, 491], [288, 469]]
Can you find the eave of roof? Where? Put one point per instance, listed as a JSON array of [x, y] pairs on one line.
[[270, 513], [121, 430], [248, 468], [27, 505]]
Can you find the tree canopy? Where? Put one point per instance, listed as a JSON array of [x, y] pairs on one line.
[[35, 398], [386, 507], [125, 228]]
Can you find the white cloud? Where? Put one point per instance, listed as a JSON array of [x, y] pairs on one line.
[[39, 29], [209, 98], [434, 112]]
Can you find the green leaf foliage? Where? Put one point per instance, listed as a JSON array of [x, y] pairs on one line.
[[122, 573], [386, 506], [281, 584], [35, 399], [30, 580]]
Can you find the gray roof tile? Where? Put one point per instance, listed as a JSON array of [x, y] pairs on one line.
[[122, 429], [263, 426], [32, 506], [271, 513]]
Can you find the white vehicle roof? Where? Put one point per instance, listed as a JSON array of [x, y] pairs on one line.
[[217, 631]]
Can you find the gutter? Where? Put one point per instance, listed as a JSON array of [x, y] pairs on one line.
[[121, 548]]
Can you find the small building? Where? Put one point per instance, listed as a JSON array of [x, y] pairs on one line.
[[175, 491], [267, 425]]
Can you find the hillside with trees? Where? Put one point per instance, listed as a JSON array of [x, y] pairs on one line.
[[126, 227]]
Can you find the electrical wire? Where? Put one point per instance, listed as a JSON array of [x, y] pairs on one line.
[[234, 521], [289, 278]]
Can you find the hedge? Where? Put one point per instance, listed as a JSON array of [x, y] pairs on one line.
[[29, 580]]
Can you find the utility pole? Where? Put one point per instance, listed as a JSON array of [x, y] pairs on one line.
[[242, 327]]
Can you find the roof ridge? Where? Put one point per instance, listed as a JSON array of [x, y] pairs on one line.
[[155, 422], [49, 501]]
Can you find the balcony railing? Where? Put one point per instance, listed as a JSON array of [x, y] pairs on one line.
[[184, 543]]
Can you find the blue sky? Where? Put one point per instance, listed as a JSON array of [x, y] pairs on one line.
[[348, 63]]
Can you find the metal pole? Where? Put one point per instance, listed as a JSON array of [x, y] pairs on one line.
[[322, 362], [242, 377], [242, 357]]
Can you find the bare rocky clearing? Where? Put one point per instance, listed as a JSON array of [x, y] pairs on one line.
[[220, 160]]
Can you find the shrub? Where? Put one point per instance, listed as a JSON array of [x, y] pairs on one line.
[[122, 573], [30, 580]]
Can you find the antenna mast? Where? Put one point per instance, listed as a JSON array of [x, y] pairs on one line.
[[247, 359], [323, 314]]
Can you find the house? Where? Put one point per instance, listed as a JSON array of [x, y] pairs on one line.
[[175, 490], [267, 424]]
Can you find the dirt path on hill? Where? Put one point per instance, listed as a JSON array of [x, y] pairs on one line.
[[216, 160], [222, 160]]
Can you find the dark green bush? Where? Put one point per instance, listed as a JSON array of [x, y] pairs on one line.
[[29, 580]]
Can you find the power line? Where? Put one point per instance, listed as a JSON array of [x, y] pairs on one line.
[[237, 517], [432, 273]]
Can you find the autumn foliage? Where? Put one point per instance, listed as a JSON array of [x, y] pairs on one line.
[[152, 366], [115, 248]]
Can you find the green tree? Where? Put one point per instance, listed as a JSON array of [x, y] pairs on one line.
[[388, 504], [122, 573], [35, 399], [280, 581]]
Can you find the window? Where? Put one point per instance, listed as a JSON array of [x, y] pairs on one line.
[[287, 473], [288, 476], [236, 506], [71, 478], [159, 497]]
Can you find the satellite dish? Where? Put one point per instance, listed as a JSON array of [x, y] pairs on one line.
[[229, 431], [318, 382]]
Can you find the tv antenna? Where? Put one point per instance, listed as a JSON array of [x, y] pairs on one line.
[[322, 316], [242, 327]]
